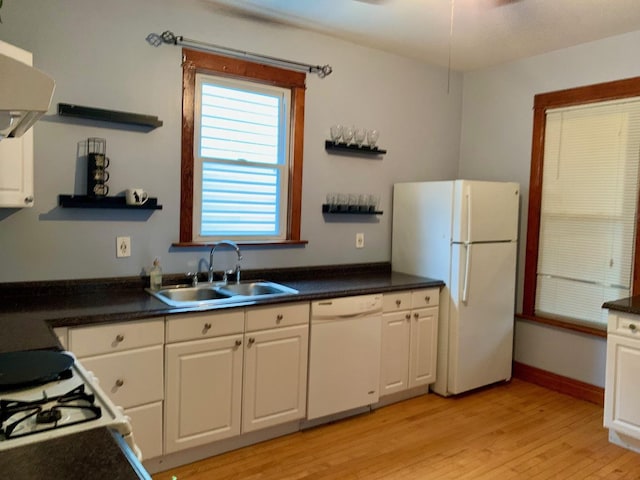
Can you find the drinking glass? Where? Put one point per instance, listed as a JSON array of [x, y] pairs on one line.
[[336, 133], [372, 137], [359, 135], [347, 134]]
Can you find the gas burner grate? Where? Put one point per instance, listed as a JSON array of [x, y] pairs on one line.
[[19, 418]]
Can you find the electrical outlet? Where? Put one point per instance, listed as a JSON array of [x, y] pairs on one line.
[[123, 247], [359, 240]]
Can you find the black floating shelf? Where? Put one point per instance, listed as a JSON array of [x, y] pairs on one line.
[[346, 209], [99, 114], [84, 201], [331, 147]]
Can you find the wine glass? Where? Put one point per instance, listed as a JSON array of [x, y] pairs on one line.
[[336, 133], [372, 137], [359, 136], [347, 134]]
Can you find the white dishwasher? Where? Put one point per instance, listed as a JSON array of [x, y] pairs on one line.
[[344, 354]]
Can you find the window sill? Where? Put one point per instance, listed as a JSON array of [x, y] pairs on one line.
[[587, 328], [274, 243]]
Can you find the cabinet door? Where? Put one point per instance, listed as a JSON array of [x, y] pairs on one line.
[[422, 352], [203, 394], [146, 421], [394, 361], [622, 389], [275, 377]]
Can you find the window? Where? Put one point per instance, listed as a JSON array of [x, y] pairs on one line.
[[241, 174], [582, 227]]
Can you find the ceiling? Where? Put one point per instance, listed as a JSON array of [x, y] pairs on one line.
[[485, 32]]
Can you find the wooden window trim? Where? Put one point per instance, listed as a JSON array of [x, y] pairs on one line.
[[200, 62], [601, 92]]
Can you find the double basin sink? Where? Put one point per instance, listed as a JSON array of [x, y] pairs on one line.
[[211, 294]]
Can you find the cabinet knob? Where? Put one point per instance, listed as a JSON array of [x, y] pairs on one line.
[[119, 338], [252, 341], [408, 316], [28, 199], [279, 317], [207, 326], [119, 382], [632, 327], [398, 302], [427, 299], [416, 315], [238, 343]]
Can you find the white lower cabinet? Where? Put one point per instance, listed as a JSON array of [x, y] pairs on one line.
[[622, 389], [234, 372], [203, 378], [127, 359], [409, 340], [275, 366]]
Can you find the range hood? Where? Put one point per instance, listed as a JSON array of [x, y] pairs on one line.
[[25, 95]]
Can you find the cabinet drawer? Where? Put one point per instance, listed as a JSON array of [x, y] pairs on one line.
[[425, 298], [262, 318], [146, 421], [204, 325], [627, 325], [114, 337], [130, 378], [395, 301]]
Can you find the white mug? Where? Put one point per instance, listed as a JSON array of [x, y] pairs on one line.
[[136, 196]]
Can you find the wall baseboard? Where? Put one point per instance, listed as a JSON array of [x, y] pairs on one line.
[[553, 381]]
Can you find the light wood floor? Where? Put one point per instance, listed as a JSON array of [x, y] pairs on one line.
[[512, 431]]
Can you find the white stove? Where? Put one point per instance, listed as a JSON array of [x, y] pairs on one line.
[[72, 403]]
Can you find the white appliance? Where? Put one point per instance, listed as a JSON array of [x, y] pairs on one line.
[[344, 354], [464, 233]]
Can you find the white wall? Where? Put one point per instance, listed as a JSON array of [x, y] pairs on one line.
[[97, 54], [496, 145]]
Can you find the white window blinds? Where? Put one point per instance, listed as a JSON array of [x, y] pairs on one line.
[[588, 209], [241, 160]]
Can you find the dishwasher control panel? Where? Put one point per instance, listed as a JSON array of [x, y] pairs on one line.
[[347, 306]]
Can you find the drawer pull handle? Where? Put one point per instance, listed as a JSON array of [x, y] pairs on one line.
[[279, 317], [119, 338], [398, 302], [238, 343], [119, 382], [632, 327], [252, 340], [207, 326]]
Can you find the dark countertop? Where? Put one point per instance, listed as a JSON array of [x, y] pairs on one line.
[[626, 305], [66, 307], [72, 457]]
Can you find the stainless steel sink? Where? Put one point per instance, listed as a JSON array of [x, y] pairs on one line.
[[256, 289], [208, 294]]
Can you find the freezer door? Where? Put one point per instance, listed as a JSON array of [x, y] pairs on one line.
[[481, 326], [485, 211]]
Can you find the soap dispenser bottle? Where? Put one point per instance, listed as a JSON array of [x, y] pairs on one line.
[[155, 276]]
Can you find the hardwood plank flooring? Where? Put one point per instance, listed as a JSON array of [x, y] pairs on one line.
[[512, 431]]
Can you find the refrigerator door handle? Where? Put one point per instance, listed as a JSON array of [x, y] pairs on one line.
[[467, 272], [469, 212]]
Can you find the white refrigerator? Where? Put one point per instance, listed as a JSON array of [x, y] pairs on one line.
[[465, 233]]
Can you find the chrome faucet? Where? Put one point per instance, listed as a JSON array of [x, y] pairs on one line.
[[226, 272]]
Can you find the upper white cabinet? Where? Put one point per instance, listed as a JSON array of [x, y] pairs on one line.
[[16, 154], [622, 389], [409, 340], [127, 359]]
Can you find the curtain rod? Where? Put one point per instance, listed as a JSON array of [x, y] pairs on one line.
[[168, 37]]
